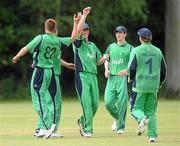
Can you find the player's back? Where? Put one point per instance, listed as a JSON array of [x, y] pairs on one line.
[[49, 50], [148, 68]]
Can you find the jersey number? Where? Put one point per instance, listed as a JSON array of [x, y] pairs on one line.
[[149, 63], [49, 52]]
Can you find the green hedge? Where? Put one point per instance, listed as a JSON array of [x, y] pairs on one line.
[[13, 89]]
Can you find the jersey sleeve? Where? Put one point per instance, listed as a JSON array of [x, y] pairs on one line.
[[98, 53], [163, 73], [34, 43], [132, 54], [66, 40], [132, 68], [107, 50]]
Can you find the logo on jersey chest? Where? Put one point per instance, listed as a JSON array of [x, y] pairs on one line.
[[91, 55], [118, 61]]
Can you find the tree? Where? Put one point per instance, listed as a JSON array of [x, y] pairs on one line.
[[172, 45], [24, 19]]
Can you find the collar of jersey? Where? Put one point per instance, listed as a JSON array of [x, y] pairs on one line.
[[122, 44], [83, 39], [146, 43]]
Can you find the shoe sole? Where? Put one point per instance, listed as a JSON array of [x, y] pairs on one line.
[[80, 127], [50, 131], [55, 137], [142, 127], [81, 130]]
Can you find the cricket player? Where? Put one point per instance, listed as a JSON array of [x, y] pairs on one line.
[[46, 57], [116, 93], [87, 56], [39, 122], [147, 68]]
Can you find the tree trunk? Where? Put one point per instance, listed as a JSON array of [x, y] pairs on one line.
[[172, 40]]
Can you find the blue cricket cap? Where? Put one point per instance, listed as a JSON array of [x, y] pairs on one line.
[[120, 29], [85, 26], [144, 33]]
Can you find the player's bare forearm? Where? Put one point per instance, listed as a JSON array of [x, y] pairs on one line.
[[74, 32], [67, 65], [86, 11], [76, 20], [21, 53], [106, 67], [103, 59]]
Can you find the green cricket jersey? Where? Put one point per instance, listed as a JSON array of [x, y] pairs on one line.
[[119, 57], [57, 64], [146, 61], [46, 51], [86, 56]]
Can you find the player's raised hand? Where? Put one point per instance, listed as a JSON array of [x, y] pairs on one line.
[[77, 17], [87, 10]]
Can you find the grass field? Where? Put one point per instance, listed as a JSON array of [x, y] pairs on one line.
[[17, 124]]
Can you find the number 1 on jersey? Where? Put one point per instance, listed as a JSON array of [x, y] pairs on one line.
[[149, 63]]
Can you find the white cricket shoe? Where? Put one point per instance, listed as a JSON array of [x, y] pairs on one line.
[[56, 135], [142, 126], [50, 131], [120, 131], [114, 126], [152, 139], [36, 132], [86, 135], [81, 130], [41, 133]]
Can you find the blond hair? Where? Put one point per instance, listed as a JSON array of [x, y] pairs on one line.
[[50, 25]]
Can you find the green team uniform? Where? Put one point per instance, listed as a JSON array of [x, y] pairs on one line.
[[116, 88], [147, 67], [86, 56], [45, 86]]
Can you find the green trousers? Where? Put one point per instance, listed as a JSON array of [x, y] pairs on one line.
[[116, 98], [145, 105], [88, 94], [46, 97]]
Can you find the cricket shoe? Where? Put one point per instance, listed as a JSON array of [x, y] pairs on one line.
[[81, 130], [120, 131], [41, 133], [86, 135], [114, 126], [56, 135], [152, 139], [142, 126], [50, 131], [81, 127], [36, 132]]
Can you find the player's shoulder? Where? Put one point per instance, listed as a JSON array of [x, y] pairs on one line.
[[38, 36], [91, 43], [137, 48], [158, 50], [112, 45]]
